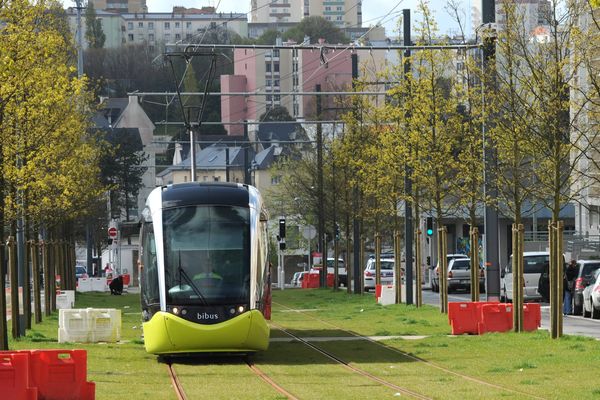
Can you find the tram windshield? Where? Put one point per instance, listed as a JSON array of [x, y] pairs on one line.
[[207, 255]]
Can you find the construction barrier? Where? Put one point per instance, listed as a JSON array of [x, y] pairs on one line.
[[385, 294], [89, 325], [14, 377], [464, 317], [84, 285], [99, 284], [65, 299], [312, 280], [48, 375], [480, 317], [495, 317], [532, 316]]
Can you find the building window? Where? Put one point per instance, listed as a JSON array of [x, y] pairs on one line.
[[129, 26], [150, 25], [188, 25], [167, 25], [276, 53], [177, 24], [268, 67], [339, 8], [275, 179], [140, 24], [151, 37], [130, 37], [339, 18], [327, 8], [328, 18], [276, 82], [205, 178], [151, 49], [268, 82], [185, 178], [269, 98], [188, 36], [167, 37], [216, 178], [177, 36], [276, 67]]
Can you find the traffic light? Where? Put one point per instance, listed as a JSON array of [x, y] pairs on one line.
[[281, 228], [337, 231], [429, 226], [428, 261]]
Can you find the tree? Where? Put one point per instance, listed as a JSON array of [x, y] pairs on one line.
[[316, 28], [277, 113], [93, 34], [122, 168]]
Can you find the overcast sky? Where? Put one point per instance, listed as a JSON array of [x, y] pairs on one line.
[[385, 12]]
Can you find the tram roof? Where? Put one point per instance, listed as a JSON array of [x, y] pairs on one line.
[[205, 193]]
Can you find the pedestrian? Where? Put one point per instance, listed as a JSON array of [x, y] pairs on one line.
[[569, 277]]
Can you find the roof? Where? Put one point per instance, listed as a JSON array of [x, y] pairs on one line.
[[111, 110], [273, 132]]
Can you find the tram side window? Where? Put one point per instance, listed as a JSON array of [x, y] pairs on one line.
[[150, 273]]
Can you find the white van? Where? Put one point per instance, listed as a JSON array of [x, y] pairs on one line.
[[534, 264]]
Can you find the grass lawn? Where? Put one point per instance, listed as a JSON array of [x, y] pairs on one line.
[[521, 365]]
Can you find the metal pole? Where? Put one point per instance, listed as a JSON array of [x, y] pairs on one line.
[[408, 225], [398, 256], [492, 262], [79, 39], [14, 287], [321, 200], [357, 273], [35, 270], [246, 156]]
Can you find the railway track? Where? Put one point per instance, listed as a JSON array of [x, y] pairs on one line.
[[352, 368], [180, 392], [406, 355]]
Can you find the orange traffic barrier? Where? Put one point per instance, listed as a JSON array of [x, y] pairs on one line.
[[126, 279], [495, 317], [532, 316], [57, 374], [14, 377], [464, 317]]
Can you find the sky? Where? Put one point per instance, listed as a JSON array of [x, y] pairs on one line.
[[374, 11]]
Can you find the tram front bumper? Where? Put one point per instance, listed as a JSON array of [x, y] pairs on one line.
[[166, 333]]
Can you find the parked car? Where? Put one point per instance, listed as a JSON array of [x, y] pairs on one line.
[[386, 274], [591, 297], [297, 278], [459, 275], [342, 274], [585, 271], [535, 274], [435, 278], [80, 272]]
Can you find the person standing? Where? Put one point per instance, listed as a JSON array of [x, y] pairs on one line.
[[568, 286]]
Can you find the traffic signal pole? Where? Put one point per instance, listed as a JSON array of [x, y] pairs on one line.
[[492, 257], [408, 220]]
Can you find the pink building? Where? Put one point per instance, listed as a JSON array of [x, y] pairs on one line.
[[272, 72]]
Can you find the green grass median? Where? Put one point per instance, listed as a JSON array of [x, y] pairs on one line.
[[422, 356]]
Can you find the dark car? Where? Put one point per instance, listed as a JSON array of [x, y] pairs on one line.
[[585, 272]]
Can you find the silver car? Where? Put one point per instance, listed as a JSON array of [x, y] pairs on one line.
[[435, 279], [387, 273], [459, 275], [591, 297]]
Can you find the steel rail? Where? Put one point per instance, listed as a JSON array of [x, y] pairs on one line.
[[352, 368], [176, 383], [270, 381]]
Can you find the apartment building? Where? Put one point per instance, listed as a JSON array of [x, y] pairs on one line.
[[157, 29], [120, 6], [343, 13]]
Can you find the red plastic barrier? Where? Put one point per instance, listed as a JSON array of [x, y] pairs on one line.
[[14, 377], [126, 279], [330, 280], [532, 316], [464, 317], [495, 317], [377, 291], [58, 374]]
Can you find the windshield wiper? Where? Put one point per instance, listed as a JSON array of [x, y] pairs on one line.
[[189, 281]]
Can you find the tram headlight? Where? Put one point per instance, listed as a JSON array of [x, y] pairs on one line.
[[232, 310], [175, 310], [241, 309]]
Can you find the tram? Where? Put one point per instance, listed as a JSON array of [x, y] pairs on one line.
[[204, 270]]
